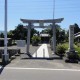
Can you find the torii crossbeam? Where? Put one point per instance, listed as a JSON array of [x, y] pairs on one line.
[[44, 21]]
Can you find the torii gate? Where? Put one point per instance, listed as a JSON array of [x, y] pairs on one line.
[[41, 25]]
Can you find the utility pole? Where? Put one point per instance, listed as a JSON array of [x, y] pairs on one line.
[[53, 8], [5, 56], [54, 30]]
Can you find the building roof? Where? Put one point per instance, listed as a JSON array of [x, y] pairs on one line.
[[44, 35], [77, 36]]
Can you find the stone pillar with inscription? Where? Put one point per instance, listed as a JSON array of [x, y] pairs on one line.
[[54, 38], [71, 54], [71, 38]]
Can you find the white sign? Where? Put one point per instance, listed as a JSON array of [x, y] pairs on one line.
[[21, 43]]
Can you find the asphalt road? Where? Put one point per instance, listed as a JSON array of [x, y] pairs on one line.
[[13, 73]]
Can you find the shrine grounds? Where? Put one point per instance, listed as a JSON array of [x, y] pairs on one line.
[[22, 67], [53, 61]]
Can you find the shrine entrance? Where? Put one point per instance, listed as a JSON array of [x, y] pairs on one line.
[[41, 24]]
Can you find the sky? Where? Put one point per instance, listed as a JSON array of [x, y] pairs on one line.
[[40, 9]]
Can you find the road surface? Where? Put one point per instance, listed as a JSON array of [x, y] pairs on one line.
[[16, 73]]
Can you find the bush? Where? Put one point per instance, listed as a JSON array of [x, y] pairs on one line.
[[14, 42], [60, 50], [76, 43], [35, 40]]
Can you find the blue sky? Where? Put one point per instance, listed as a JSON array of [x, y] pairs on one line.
[[40, 9]]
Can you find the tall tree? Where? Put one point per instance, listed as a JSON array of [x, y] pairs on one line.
[[20, 33], [2, 35], [60, 33], [76, 28]]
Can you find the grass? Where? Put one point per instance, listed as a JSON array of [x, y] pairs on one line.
[[77, 48]]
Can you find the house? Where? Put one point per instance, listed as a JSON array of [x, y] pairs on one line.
[[77, 36], [45, 37]]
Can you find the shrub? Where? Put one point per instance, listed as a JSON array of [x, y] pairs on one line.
[[76, 43], [60, 50], [35, 40], [14, 42]]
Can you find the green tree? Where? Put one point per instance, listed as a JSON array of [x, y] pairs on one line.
[[61, 36], [66, 36], [20, 33], [10, 34], [33, 31], [60, 33], [35, 40], [2, 35], [76, 28]]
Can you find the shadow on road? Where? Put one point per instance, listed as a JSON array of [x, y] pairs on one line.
[[29, 56], [1, 69], [2, 66], [42, 58]]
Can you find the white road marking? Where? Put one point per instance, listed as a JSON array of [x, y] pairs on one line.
[[42, 51], [45, 69]]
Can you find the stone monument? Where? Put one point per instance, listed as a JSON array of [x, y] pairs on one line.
[[71, 54], [71, 38]]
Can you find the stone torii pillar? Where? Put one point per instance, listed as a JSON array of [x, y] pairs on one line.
[[54, 38], [28, 37]]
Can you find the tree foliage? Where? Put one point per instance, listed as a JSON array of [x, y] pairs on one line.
[[20, 33], [76, 28], [1, 35], [60, 33], [35, 40]]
